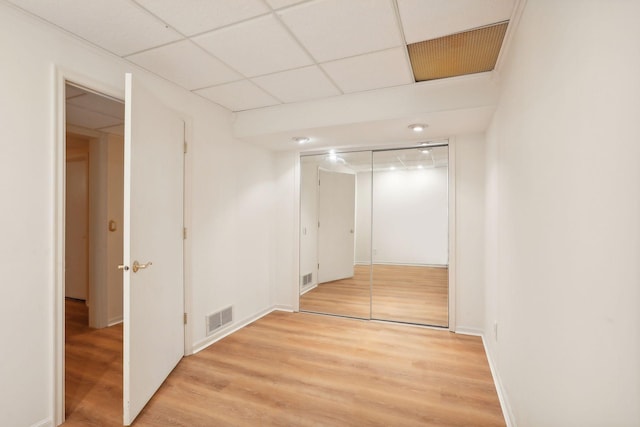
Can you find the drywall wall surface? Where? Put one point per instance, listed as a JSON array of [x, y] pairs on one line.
[[286, 282], [562, 217], [469, 231], [230, 211], [115, 197]]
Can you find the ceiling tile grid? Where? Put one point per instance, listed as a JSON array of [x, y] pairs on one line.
[[238, 96], [186, 64], [255, 47], [334, 29], [199, 16], [298, 85], [429, 19], [119, 26], [246, 54], [371, 71]]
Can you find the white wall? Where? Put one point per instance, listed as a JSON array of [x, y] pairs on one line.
[[285, 286], [469, 231], [308, 220], [232, 206], [563, 217], [410, 216], [115, 198]]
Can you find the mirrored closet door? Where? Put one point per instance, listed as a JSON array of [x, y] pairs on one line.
[[410, 236], [335, 242], [374, 234]]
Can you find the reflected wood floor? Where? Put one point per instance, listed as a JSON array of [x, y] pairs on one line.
[[413, 294], [299, 369], [346, 297]]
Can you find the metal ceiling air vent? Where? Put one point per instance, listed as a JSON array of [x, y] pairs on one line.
[[469, 52]]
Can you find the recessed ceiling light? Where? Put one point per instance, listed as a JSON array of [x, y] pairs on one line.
[[420, 167], [418, 127], [301, 139], [392, 168], [426, 151]]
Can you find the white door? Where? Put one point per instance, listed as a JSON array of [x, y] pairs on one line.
[[153, 230], [76, 271], [336, 223]]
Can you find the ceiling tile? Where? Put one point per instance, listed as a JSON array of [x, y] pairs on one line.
[[429, 19], [98, 103], [255, 47], [71, 91], [371, 71], [82, 117], [116, 130], [333, 29], [277, 4], [122, 28], [198, 16], [238, 96], [298, 85], [185, 64]]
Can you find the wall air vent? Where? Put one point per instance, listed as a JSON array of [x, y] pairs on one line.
[[469, 52], [219, 319], [307, 278]]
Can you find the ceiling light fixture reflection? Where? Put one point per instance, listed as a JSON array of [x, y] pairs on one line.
[[426, 151], [301, 139], [418, 127]]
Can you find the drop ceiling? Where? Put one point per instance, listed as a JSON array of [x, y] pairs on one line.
[[250, 54], [87, 110]]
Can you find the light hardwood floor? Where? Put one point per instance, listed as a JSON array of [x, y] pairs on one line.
[[297, 369], [93, 370], [412, 294]]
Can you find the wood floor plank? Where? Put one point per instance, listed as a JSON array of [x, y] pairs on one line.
[[298, 369], [400, 293]]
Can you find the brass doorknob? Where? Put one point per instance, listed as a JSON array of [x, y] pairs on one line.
[[137, 266], [123, 267]]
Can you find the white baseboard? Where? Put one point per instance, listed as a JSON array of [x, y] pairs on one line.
[[47, 422], [281, 307], [114, 321], [502, 396], [315, 285], [204, 343], [469, 331]]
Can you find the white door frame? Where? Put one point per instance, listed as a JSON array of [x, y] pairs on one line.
[[60, 76]]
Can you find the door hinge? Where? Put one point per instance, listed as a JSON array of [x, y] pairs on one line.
[[185, 318], [318, 224], [184, 233], [185, 148], [318, 266]]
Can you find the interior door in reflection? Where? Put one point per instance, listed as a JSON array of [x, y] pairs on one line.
[[336, 213]]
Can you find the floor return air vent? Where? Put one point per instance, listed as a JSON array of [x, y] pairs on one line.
[[218, 319]]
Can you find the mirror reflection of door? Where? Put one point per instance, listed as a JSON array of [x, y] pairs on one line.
[[334, 263], [410, 236]]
